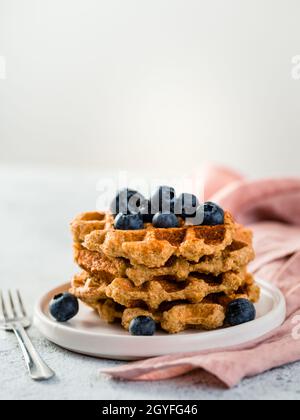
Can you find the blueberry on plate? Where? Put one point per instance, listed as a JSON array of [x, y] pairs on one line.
[[240, 311], [165, 220], [142, 325], [64, 307], [127, 202], [145, 211], [213, 214], [186, 205], [163, 200], [128, 222]]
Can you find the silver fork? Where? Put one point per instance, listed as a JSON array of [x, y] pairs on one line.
[[13, 317]]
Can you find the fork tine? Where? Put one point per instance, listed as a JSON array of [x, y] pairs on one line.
[[12, 304], [24, 313], [3, 307]]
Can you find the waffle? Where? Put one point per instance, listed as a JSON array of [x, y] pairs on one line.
[[151, 247], [153, 294], [238, 254], [179, 317], [88, 289], [249, 290], [173, 316], [182, 277], [98, 265], [88, 222], [207, 315]]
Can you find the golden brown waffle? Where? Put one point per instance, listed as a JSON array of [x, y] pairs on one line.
[[152, 294], [151, 246], [181, 277], [172, 316], [85, 223], [238, 254], [249, 290], [207, 316], [155, 292], [88, 289], [99, 265]]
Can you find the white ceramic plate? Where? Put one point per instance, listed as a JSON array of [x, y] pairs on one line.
[[89, 335]]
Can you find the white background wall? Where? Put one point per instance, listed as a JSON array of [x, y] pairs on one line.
[[163, 84]]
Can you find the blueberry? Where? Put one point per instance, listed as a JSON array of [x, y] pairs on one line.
[[145, 211], [163, 200], [126, 202], [63, 307], [186, 205], [165, 220], [128, 222], [142, 325], [240, 311], [213, 214]]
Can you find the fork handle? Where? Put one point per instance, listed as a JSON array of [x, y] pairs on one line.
[[37, 368]]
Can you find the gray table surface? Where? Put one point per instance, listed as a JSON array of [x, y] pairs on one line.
[[35, 209]]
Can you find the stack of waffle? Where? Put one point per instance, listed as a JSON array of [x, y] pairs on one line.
[[181, 277]]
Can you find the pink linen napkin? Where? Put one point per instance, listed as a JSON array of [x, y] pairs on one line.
[[272, 209]]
